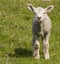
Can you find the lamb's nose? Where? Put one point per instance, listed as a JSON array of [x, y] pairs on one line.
[[39, 17]]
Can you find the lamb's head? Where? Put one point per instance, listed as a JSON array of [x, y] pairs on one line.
[[40, 13]]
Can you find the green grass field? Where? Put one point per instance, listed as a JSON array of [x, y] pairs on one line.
[[16, 32]]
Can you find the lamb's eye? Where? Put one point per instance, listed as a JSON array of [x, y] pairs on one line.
[[44, 12]]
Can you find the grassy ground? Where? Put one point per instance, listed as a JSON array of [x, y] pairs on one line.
[[16, 34]]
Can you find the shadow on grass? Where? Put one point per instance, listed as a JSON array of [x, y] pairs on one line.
[[20, 52]]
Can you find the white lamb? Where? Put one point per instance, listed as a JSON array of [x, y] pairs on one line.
[[41, 27]]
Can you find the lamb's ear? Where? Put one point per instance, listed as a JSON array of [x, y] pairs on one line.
[[49, 8], [30, 7]]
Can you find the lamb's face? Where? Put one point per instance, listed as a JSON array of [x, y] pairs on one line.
[[40, 13]]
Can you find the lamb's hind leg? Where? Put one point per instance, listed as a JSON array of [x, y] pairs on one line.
[[36, 47], [46, 46]]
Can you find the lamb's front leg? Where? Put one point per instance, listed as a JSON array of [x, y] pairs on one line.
[[46, 46], [36, 47]]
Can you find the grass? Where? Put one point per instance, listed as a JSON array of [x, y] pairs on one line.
[[16, 34]]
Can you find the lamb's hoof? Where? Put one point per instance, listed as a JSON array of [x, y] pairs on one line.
[[47, 57], [36, 56]]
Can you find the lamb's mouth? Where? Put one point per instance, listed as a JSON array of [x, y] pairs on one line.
[[39, 21]]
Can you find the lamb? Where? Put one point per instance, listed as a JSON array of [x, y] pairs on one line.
[[41, 27]]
